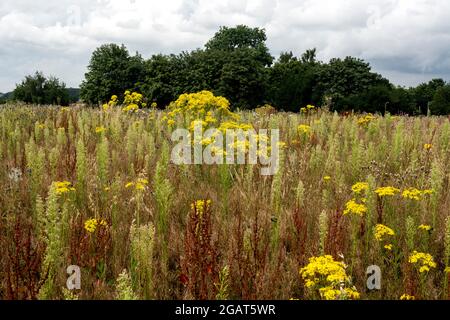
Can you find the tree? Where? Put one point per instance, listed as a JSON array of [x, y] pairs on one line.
[[38, 89], [111, 71], [424, 93], [242, 37], [441, 101], [342, 78], [293, 82], [235, 65]]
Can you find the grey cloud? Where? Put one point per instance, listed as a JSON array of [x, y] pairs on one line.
[[407, 41]]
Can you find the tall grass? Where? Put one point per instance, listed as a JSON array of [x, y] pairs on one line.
[[259, 230]]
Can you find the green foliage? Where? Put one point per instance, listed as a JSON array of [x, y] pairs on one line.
[[424, 93], [441, 101], [293, 82], [111, 71], [124, 288], [236, 63], [38, 89]]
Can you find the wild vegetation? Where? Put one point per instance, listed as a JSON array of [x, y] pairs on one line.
[[96, 187]]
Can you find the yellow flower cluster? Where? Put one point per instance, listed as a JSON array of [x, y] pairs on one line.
[[308, 108], [415, 194], [304, 129], [407, 297], [424, 227], [138, 185], [424, 260], [329, 277], [386, 191], [381, 231], [92, 224], [355, 208], [63, 187], [202, 105], [112, 103], [360, 187], [132, 101], [327, 178], [427, 146], [362, 121], [329, 293], [200, 205]]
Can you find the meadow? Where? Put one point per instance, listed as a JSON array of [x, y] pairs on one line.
[[96, 188]]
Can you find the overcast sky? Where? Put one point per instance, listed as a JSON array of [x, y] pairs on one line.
[[408, 41]]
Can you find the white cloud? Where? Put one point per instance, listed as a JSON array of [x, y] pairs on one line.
[[406, 40]]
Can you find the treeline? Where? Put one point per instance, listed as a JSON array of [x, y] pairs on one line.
[[39, 89], [236, 64]]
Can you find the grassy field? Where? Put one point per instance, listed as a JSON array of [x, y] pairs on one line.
[[97, 189]]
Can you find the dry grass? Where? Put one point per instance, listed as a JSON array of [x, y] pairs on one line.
[[262, 228]]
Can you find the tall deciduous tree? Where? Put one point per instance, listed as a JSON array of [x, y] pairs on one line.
[[38, 89], [293, 82], [111, 71]]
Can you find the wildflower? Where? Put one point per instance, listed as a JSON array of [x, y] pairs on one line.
[[138, 185], [386, 191], [381, 231], [199, 205], [100, 129], [424, 260], [366, 119], [447, 270], [63, 187], [424, 227], [388, 246], [323, 268], [327, 178], [141, 183], [356, 208], [329, 276], [328, 293], [412, 193], [407, 297], [92, 224], [303, 110], [130, 107], [415, 194], [304, 129], [154, 105], [427, 146], [360, 187]]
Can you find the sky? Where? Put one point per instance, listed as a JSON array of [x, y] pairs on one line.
[[407, 41]]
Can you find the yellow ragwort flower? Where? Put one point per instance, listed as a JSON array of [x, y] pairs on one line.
[[424, 261], [356, 208], [424, 227], [386, 191], [360, 187], [381, 231]]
